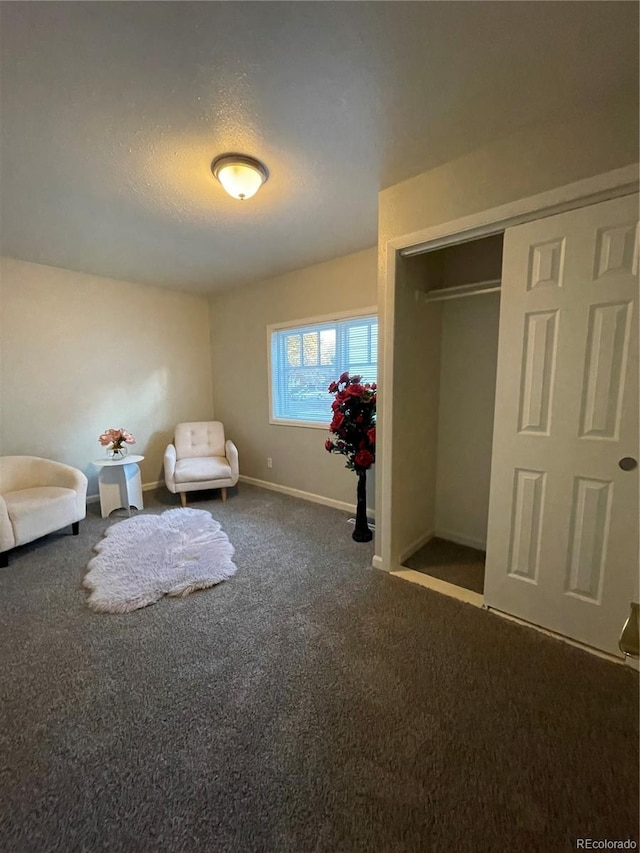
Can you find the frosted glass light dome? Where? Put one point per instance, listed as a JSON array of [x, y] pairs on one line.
[[240, 176]]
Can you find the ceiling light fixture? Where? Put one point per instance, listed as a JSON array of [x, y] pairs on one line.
[[241, 176]]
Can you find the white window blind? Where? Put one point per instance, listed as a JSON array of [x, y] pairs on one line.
[[306, 359]]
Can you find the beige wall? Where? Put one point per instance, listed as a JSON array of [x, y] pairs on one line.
[[82, 353], [468, 360], [416, 379], [573, 147], [542, 157], [239, 320]]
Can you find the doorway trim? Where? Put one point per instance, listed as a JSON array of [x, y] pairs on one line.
[[609, 185]]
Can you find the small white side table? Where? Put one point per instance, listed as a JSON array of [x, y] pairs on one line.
[[119, 484]]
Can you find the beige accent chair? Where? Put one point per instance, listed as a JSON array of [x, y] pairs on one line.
[[37, 497], [200, 459]]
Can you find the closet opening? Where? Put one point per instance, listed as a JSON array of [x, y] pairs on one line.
[[457, 296]]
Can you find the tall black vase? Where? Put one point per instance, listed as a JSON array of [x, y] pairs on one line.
[[362, 533]]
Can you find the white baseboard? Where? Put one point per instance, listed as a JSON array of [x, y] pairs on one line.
[[376, 562], [437, 585], [461, 539], [274, 487], [411, 549], [634, 663], [619, 659], [305, 496], [475, 598]]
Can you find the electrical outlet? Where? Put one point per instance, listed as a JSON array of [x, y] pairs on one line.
[[269, 462]]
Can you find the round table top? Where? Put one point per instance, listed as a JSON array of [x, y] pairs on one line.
[[108, 463]]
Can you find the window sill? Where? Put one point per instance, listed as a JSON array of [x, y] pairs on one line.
[[308, 424]]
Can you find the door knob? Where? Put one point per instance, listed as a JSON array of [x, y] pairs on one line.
[[628, 463], [629, 641]]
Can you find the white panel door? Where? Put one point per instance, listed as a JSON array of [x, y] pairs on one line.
[[562, 545]]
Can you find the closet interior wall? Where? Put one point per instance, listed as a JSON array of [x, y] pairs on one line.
[[444, 389], [468, 360], [415, 384]]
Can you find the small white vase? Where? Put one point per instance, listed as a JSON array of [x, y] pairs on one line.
[[117, 452]]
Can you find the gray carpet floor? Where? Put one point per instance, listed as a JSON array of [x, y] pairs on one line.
[[457, 564], [309, 704]]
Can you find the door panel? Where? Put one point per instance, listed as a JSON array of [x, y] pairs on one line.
[[562, 546]]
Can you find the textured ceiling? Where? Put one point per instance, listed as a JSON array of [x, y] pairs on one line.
[[112, 113]]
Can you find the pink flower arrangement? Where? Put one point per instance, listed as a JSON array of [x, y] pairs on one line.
[[116, 438], [353, 428]]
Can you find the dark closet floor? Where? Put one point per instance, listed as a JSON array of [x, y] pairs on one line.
[[457, 564]]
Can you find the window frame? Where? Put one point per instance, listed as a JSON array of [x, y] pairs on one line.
[[370, 311]]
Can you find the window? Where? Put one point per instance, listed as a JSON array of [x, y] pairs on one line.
[[305, 359]]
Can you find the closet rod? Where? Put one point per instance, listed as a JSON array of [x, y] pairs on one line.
[[442, 293]]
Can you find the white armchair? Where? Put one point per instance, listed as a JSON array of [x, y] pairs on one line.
[[200, 459], [37, 497]]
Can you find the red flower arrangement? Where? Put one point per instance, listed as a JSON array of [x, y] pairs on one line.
[[353, 428]]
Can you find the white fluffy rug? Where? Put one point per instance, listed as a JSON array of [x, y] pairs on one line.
[[148, 556]]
